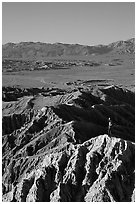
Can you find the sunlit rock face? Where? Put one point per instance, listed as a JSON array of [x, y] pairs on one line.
[[56, 146]]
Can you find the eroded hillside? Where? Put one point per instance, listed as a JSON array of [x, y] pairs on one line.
[[56, 147]]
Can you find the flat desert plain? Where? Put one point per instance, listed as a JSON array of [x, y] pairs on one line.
[[123, 75]]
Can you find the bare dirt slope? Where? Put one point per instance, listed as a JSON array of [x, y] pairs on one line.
[[56, 147]]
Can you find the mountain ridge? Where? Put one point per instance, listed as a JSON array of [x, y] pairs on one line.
[[38, 50], [33, 42]]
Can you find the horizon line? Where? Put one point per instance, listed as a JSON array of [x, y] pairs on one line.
[[63, 42]]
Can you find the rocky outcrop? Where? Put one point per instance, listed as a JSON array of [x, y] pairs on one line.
[[62, 153], [100, 169]]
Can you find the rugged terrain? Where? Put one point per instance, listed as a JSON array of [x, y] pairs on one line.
[[56, 101], [56, 147]]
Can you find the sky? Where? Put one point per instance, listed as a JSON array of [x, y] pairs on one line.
[[87, 23]]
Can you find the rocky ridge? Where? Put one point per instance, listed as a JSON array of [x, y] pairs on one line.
[[61, 152]]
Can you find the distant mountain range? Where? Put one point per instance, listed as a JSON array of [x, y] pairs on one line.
[[38, 50]]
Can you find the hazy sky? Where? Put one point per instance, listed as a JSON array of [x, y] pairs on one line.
[[84, 23]]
